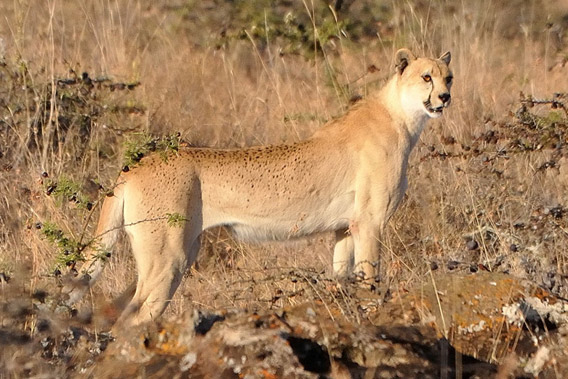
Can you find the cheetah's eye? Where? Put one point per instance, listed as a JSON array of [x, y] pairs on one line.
[[427, 78], [449, 79]]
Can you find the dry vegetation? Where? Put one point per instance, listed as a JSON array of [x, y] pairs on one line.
[[488, 182]]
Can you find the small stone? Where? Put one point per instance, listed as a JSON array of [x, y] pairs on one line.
[[42, 325], [39, 295], [452, 265], [472, 245], [50, 189], [557, 212], [549, 280]]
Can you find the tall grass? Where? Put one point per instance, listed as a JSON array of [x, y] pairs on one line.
[[243, 92]]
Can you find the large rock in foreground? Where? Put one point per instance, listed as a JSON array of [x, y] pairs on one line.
[[470, 326]]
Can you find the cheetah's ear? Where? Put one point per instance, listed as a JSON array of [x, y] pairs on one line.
[[403, 58], [446, 57]]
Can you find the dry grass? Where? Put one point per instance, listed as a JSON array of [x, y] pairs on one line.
[[247, 93]]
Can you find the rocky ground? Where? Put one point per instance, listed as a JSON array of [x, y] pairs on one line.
[[460, 325]]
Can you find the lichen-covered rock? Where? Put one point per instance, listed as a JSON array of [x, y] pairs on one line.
[[470, 325], [489, 316], [308, 341]]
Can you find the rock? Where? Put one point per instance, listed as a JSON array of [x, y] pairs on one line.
[[476, 325], [473, 322], [488, 316], [472, 245]]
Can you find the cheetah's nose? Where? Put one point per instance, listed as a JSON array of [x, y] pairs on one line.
[[445, 97]]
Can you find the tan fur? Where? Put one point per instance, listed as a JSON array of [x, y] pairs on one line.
[[349, 178]]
